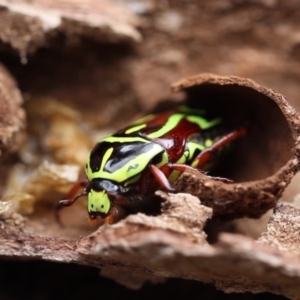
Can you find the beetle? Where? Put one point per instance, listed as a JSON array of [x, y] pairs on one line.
[[149, 154]]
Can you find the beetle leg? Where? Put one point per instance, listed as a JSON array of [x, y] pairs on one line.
[[207, 154], [71, 198], [69, 202], [161, 178], [76, 187]]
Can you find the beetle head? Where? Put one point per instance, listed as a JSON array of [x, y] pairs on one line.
[[100, 197]]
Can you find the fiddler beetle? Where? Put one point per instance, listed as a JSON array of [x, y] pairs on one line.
[[147, 155]]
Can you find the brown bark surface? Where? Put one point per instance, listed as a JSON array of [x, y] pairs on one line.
[[84, 68]]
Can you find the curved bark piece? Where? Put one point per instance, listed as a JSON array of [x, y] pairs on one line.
[[263, 163]]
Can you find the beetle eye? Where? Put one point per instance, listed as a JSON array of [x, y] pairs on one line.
[[106, 185], [96, 186]]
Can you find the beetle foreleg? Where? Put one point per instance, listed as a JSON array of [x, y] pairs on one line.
[[75, 188], [71, 198], [69, 202], [161, 178]]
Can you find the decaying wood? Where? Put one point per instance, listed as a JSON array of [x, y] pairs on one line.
[[173, 244], [283, 230], [12, 121], [27, 26]]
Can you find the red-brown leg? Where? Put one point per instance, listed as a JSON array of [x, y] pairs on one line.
[[75, 188], [161, 178], [71, 198], [69, 202], [207, 154]]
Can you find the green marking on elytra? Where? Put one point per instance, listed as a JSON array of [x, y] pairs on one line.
[[191, 111], [125, 139], [175, 174], [203, 123], [208, 143], [143, 119], [164, 160], [135, 128], [193, 147], [98, 201], [171, 123]]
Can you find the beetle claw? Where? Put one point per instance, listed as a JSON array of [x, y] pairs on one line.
[[63, 202]]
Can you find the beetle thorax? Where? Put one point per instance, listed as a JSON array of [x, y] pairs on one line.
[[121, 160]]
